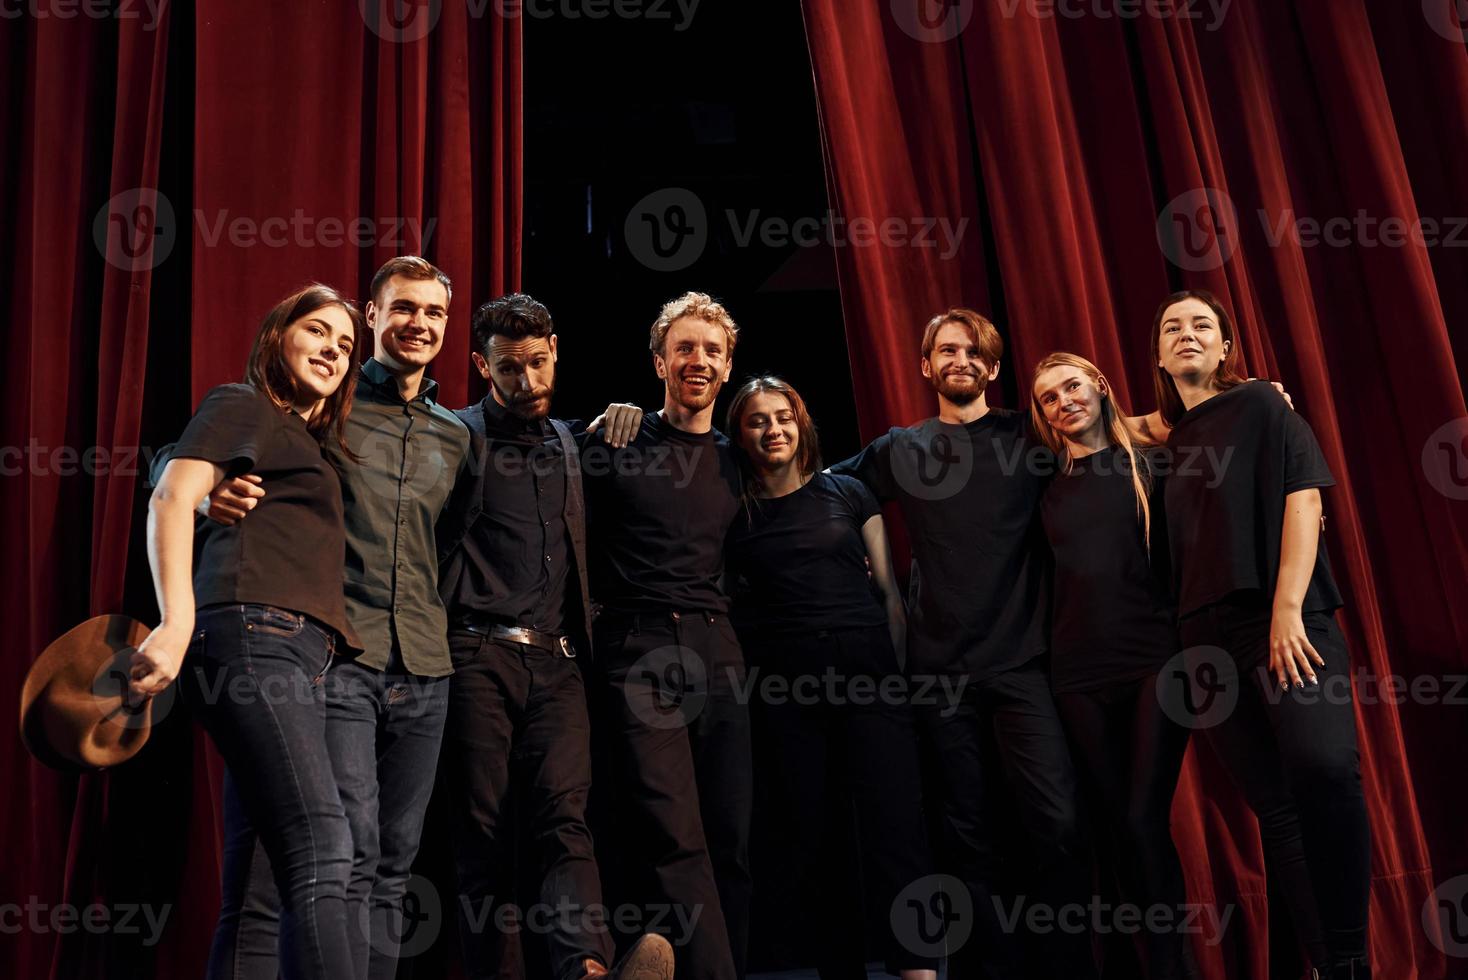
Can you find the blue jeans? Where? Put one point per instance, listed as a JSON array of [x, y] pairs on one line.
[[254, 677], [383, 731]]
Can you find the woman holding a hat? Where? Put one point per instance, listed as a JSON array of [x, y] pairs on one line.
[[258, 618]]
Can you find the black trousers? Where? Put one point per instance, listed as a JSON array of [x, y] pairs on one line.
[[1130, 753], [518, 736], [1293, 755], [677, 732], [821, 700], [1011, 719]]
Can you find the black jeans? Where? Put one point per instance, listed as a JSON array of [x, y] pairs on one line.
[[679, 741], [828, 702], [518, 737], [1011, 718], [1294, 757], [1131, 754], [382, 732], [254, 677]]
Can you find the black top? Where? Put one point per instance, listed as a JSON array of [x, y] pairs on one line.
[[289, 551], [517, 555], [658, 510], [1235, 457], [800, 561], [1113, 619], [408, 454], [970, 495]]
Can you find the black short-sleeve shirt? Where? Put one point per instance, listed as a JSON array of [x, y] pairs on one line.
[[1113, 618], [799, 561], [970, 495], [290, 551], [658, 510], [1235, 457]]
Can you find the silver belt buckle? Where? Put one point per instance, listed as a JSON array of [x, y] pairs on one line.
[[567, 649]]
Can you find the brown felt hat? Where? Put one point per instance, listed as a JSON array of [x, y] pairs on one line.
[[73, 708]]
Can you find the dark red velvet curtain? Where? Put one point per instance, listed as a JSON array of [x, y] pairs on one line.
[[1105, 155], [165, 179]]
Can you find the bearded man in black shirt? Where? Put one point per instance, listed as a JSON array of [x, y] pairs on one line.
[[669, 665], [513, 577]]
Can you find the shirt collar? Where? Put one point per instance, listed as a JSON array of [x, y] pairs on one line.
[[379, 377]]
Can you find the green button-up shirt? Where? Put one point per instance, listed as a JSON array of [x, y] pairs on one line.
[[409, 454]]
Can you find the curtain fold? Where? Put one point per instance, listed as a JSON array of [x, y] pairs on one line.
[[1105, 162]]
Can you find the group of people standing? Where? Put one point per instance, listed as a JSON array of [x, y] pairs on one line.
[[385, 590]]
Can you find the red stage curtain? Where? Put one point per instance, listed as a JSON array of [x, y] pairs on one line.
[[230, 152], [1063, 136]]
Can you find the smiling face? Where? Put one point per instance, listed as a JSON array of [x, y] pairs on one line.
[[694, 363], [1190, 343], [768, 430], [317, 352], [521, 373], [408, 317], [955, 367], [1070, 400]]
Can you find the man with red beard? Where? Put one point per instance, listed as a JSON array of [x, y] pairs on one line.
[[670, 667], [969, 484]]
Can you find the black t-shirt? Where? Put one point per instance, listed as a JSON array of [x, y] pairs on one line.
[[291, 550], [1113, 618], [657, 513], [1235, 457], [970, 495], [799, 561]]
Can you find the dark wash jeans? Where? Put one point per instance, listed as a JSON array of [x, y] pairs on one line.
[[1295, 759], [1010, 719], [254, 678], [383, 730], [518, 739], [677, 730], [868, 743]]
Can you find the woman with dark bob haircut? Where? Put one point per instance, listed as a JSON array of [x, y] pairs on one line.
[[259, 618], [1254, 589]]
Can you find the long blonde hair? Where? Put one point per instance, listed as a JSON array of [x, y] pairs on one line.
[[1113, 419]]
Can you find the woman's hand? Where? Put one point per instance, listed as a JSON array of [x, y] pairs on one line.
[[1290, 654], [156, 662]]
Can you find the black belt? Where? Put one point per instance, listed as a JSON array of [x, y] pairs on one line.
[[550, 642]]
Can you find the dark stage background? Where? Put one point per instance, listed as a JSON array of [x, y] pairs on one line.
[[165, 176]]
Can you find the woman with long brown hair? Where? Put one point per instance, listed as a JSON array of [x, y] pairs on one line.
[[808, 614], [1111, 631], [1251, 578], [258, 619]]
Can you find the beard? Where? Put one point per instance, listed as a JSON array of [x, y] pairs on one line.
[[529, 405], [691, 399], [960, 390]]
